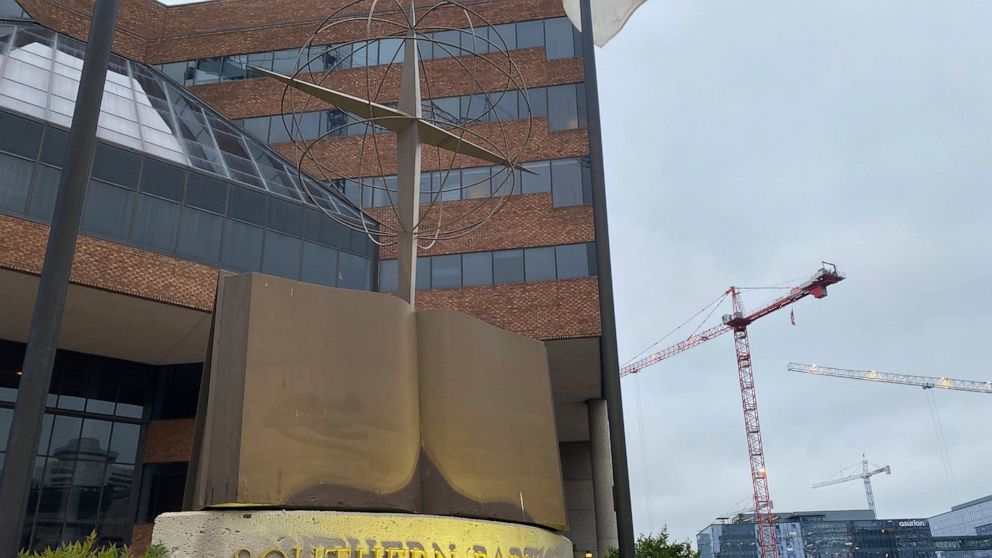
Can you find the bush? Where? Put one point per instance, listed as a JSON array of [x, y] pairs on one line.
[[85, 549]]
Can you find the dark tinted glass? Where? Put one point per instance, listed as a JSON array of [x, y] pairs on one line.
[[321, 228], [320, 264], [116, 165], [353, 272], [258, 127], [286, 217], [162, 179], [562, 112], [20, 135], [282, 255], [131, 396], [177, 391], [246, 205], [54, 148], [15, 180], [108, 211], [162, 488], [199, 235], [206, 192], [423, 273], [387, 276], [65, 434], [504, 36], [558, 36], [6, 415], [508, 266], [538, 99], [103, 394], [539, 263], [540, 181], [242, 250], [530, 34], [156, 223], [125, 441], [446, 272], [567, 177], [477, 269], [46, 188], [573, 261]]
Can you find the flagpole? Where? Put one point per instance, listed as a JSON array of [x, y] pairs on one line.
[[609, 360]]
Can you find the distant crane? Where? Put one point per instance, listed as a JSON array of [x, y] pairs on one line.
[[738, 322], [926, 382], [865, 474]]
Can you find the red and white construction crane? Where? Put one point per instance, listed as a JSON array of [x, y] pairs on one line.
[[737, 322]]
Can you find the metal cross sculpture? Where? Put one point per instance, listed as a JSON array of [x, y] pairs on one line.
[[412, 131]]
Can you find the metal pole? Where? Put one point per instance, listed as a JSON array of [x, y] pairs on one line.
[[609, 361], [43, 337]]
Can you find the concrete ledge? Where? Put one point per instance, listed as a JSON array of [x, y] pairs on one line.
[[326, 534]]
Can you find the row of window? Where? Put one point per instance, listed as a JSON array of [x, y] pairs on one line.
[[90, 440], [157, 206], [568, 180], [453, 271], [557, 35], [563, 105]]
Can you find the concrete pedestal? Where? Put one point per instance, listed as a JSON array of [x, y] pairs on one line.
[[305, 534]]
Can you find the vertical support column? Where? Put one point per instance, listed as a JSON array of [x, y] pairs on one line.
[[46, 322], [609, 360], [408, 171], [602, 477]]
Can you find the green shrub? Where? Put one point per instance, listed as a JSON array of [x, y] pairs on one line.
[[85, 549]]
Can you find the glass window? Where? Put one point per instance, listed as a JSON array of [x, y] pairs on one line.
[[156, 223], [508, 266], [125, 441], [116, 165], [539, 263], [131, 394], [242, 250], [391, 51], [476, 183], [388, 278], [505, 105], [451, 189], [20, 135], [446, 271], [46, 188], [176, 71], [282, 255], [258, 127], [538, 99], [177, 391], [206, 192], [103, 393], [446, 44], [504, 36], [6, 416], [55, 147], [573, 261], [423, 273], [108, 211], [558, 33], [323, 229], [162, 489], [15, 179], [320, 264], [477, 269], [567, 177], [538, 182], [530, 34], [163, 179], [65, 434], [285, 216], [562, 111], [354, 272], [246, 205], [199, 235]]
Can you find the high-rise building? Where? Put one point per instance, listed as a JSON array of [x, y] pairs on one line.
[[965, 531], [821, 534], [194, 174]]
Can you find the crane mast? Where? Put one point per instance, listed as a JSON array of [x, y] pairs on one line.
[[737, 323], [925, 382]]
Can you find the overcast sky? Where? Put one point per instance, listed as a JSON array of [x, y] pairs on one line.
[[745, 142]]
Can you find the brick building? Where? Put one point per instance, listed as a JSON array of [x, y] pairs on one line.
[[194, 174]]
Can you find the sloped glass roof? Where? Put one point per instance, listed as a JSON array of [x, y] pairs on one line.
[[144, 110]]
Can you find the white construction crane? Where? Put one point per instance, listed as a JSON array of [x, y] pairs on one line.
[[865, 474], [926, 382]]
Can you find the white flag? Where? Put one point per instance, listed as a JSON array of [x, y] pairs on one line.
[[608, 16]]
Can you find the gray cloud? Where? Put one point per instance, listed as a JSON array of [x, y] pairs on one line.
[[746, 141]]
